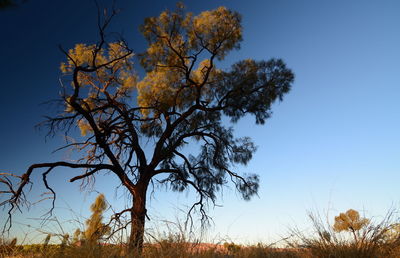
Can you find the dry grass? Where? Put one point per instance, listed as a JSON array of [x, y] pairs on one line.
[[379, 239], [172, 250]]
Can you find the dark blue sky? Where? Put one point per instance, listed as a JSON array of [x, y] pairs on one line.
[[332, 143]]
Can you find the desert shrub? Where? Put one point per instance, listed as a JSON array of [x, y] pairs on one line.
[[95, 228], [232, 248], [350, 236]]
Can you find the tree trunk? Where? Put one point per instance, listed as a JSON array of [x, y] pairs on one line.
[[355, 235], [138, 217]]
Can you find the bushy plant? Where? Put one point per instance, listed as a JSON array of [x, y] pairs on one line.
[[367, 239], [95, 228]]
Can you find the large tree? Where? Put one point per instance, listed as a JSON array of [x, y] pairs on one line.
[[177, 110]]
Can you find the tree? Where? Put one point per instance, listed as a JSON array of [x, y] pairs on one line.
[[350, 221], [181, 102]]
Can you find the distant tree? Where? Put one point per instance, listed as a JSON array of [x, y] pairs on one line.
[[178, 113], [350, 221], [95, 228]]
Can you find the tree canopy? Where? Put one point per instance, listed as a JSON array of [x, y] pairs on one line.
[[349, 221]]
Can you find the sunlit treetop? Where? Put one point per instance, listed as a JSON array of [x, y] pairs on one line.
[[181, 53], [173, 35]]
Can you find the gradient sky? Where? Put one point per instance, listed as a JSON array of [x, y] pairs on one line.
[[331, 145]]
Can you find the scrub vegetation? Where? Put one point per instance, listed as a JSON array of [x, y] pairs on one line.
[[351, 235]]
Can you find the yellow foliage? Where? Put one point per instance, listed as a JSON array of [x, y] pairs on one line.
[[219, 30], [128, 80], [175, 41], [199, 74], [167, 87], [174, 38], [84, 127], [349, 221], [111, 67], [159, 87], [81, 55], [95, 228], [117, 57], [392, 232], [68, 107], [88, 103]]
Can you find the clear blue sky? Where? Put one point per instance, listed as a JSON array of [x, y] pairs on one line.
[[331, 144]]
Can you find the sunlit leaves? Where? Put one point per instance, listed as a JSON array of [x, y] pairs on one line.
[[159, 89], [175, 41], [219, 31], [68, 107], [205, 74], [99, 68], [104, 72], [84, 127], [349, 221], [167, 39], [95, 228]]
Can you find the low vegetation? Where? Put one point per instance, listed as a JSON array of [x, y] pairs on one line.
[[351, 235]]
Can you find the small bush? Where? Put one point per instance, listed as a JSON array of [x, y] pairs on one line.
[[350, 236]]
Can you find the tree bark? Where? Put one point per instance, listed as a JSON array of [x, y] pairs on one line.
[[138, 217]]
